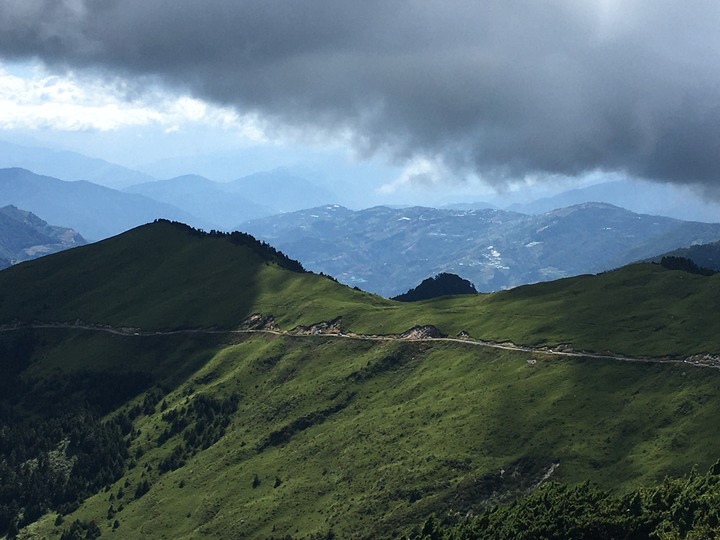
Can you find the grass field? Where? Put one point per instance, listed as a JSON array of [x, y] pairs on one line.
[[365, 439], [356, 437]]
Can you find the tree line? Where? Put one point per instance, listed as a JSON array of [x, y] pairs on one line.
[[264, 250], [687, 507]]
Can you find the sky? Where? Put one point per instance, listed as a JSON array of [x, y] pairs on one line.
[[394, 99]]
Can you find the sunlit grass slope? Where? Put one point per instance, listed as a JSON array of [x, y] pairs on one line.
[[365, 439], [639, 309]]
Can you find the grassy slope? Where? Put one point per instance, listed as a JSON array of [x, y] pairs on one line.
[[641, 309], [162, 276], [428, 424]]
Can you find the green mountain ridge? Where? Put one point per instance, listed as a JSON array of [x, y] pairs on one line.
[[245, 425]]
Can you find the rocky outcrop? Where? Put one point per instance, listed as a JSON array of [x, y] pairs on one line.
[[322, 327], [258, 321], [422, 332]]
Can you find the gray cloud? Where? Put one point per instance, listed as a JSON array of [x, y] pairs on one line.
[[503, 88]]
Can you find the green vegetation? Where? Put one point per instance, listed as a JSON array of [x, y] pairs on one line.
[[370, 438], [443, 284], [641, 309], [202, 423], [680, 508], [162, 430], [703, 255], [56, 448], [162, 275], [168, 276], [687, 265]]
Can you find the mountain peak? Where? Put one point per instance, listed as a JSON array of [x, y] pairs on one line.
[[585, 207], [264, 250]]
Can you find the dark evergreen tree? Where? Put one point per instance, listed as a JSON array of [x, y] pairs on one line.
[[686, 265], [441, 285]]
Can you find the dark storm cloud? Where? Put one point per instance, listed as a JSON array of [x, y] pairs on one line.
[[503, 88]]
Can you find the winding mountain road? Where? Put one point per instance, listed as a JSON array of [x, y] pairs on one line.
[[702, 360]]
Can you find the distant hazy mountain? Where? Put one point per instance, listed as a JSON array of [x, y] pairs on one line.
[[281, 190], [214, 202], [387, 251], [641, 197], [226, 204], [94, 211], [69, 166], [25, 236]]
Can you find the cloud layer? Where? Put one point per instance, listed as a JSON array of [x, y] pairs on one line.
[[500, 88], [69, 103]]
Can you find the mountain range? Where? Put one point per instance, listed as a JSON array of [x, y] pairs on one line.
[[208, 201], [640, 197], [94, 211], [98, 211], [196, 200], [387, 251], [69, 166], [171, 382], [225, 204], [382, 250]]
